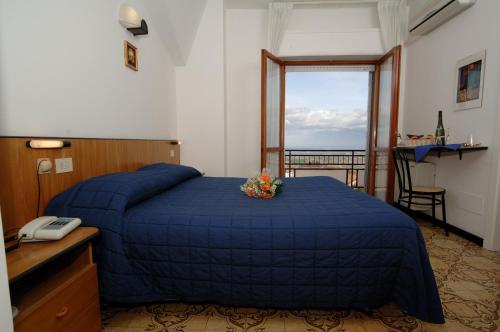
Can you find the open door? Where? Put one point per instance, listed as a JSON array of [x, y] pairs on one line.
[[384, 125], [273, 114]]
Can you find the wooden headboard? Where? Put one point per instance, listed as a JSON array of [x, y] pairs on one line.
[[91, 157]]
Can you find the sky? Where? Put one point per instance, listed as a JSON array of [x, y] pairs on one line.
[[326, 110]]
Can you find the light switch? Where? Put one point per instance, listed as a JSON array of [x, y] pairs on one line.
[[64, 165], [172, 153]]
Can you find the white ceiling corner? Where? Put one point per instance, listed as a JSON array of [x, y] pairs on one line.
[[176, 22]]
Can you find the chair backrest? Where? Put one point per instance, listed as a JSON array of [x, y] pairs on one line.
[[402, 166]]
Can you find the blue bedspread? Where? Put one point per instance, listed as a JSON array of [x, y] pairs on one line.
[[171, 234]]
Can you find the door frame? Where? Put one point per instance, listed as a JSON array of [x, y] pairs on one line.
[[373, 118], [265, 55], [395, 52]]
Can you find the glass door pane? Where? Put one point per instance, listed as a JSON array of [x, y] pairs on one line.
[[273, 103], [273, 162], [383, 129], [384, 120], [272, 156]]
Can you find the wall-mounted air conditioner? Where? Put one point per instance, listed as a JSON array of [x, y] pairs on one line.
[[435, 14]]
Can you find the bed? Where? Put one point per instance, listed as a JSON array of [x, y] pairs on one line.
[[170, 234]]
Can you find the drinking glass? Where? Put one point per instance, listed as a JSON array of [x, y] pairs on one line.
[[470, 140]]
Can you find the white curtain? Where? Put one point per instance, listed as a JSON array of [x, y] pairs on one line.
[[393, 16], [279, 16]]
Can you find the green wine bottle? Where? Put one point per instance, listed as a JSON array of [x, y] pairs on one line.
[[440, 135]]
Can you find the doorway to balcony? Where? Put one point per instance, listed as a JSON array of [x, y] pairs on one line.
[[326, 122], [382, 118]]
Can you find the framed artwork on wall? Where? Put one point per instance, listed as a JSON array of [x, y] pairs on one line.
[[470, 78], [131, 56]]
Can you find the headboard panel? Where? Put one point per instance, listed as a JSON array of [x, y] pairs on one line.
[[91, 157]]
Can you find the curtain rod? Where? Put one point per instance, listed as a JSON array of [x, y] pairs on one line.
[[325, 2]]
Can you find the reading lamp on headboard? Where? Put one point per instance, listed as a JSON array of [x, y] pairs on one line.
[[47, 143]]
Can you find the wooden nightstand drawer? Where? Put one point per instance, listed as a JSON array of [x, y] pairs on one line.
[[73, 305]]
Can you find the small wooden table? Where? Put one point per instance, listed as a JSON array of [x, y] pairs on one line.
[[54, 284], [440, 150]]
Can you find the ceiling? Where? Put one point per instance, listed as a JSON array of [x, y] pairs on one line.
[[264, 4]]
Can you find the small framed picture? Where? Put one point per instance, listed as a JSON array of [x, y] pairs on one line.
[[131, 56], [470, 78]]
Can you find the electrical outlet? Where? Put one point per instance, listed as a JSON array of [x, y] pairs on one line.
[[43, 165], [64, 165], [172, 153]]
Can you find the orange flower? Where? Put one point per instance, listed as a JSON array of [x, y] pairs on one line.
[[265, 177], [265, 186]]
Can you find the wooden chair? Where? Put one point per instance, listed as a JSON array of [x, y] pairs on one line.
[[418, 196]]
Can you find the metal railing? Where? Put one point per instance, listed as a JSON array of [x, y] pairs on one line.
[[346, 165]]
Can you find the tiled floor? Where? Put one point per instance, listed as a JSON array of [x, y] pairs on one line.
[[468, 278]]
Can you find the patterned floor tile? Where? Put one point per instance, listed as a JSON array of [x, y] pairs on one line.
[[296, 325], [121, 319], [217, 323]]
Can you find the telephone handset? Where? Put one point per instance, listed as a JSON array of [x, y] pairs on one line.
[[47, 228]]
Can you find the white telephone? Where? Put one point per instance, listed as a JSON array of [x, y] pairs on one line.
[[47, 228]]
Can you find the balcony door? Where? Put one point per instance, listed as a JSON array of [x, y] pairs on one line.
[[383, 125], [383, 116], [273, 114]]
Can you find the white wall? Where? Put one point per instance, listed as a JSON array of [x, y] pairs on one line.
[[218, 92], [200, 95], [62, 73], [430, 86], [177, 23], [323, 30], [246, 33], [492, 233], [5, 309]]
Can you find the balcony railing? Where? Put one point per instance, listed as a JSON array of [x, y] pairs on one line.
[[344, 165]]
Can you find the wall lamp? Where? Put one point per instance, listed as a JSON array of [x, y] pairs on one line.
[[130, 19], [47, 144]]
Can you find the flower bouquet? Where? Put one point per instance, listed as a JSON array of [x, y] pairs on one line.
[[263, 185]]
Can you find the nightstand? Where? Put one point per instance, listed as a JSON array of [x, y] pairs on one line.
[[54, 284]]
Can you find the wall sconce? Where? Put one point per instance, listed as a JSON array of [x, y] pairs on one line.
[[130, 19], [47, 144]]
